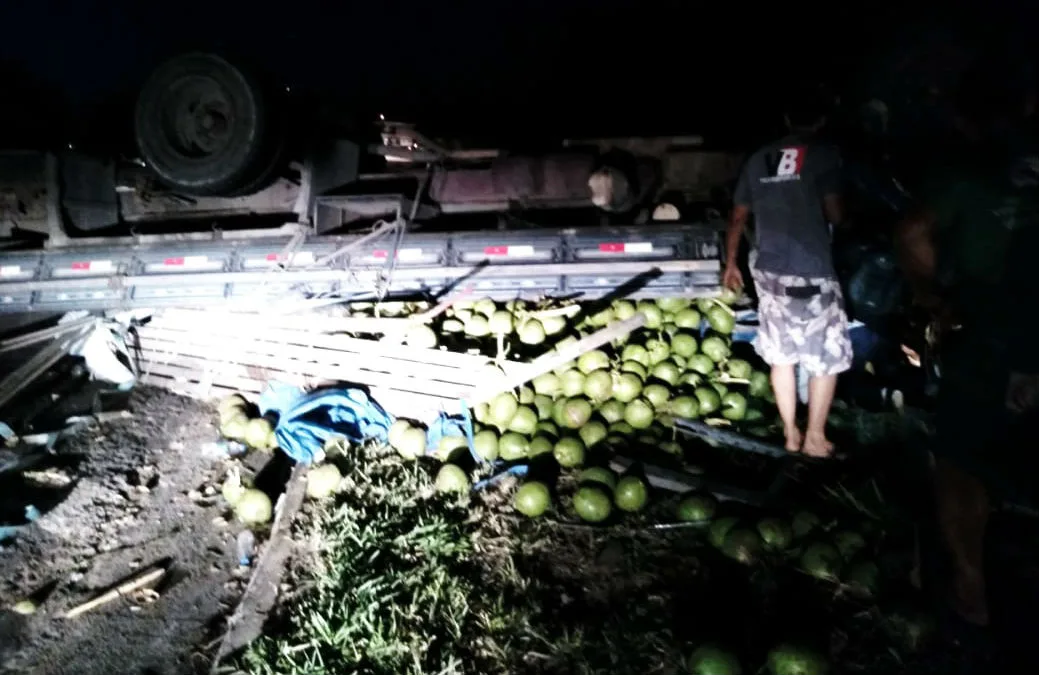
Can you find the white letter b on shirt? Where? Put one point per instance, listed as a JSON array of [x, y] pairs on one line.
[[790, 162]]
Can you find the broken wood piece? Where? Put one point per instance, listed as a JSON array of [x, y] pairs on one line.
[[324, 324], [680, 481], [252, 367], [303, 333], [246, 624], [101, 417], [569, 311], [136, 583], [553, 360], [44, 334], [24, 375], [711, 433], [442, 307]]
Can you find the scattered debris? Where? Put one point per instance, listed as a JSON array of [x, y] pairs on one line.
[[97, 524], [128, 588], [246, 624]]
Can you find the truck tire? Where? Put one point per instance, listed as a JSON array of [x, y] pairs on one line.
[[207, 127]]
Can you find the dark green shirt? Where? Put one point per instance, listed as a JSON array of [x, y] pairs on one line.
[[987, 224]]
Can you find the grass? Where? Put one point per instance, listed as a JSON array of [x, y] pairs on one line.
[[405, 581], [393, 588]]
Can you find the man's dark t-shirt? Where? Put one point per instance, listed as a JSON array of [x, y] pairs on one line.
[[783, 184], [987, 230], [986, 209]]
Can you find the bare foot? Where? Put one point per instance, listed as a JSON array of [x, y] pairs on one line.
[[793, 439], [968, 598], [816, 445]]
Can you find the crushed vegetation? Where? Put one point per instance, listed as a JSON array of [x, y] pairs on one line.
[[402, 579], [394, 583]]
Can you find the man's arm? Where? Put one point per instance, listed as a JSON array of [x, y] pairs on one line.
[[734, 233], [917, 255], [833, 208], [831, 185], [741, 200]]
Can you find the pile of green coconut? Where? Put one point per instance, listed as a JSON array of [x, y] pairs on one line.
[[567, 426], [680, 365]]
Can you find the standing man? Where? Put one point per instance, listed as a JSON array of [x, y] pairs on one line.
[[970, 253], [792, 187]]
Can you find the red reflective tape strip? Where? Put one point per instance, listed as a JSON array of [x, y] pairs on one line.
[[273, 256], [93, 266], [402, 254], [629, 247], [509, 250], [186, 261]]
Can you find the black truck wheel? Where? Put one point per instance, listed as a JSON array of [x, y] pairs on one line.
[[207, 127]]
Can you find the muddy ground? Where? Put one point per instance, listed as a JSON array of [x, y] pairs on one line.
[[117, 499]]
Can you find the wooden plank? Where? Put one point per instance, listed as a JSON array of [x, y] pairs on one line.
[[252, 348], [679, 481], [304, 361], [336, 342], [553, 360], [316, 323], [186, 381], [413, 406], [32, 338], [25, 374], [246, 624], [195, 377], [322, 323], [272, 367], [729, 439]]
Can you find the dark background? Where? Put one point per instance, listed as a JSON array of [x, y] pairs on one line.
[[491, 67]]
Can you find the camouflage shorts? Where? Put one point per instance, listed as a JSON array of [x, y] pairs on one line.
[[810, 329]]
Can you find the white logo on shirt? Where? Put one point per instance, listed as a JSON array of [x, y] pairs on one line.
[[785, 165], [789, 162]]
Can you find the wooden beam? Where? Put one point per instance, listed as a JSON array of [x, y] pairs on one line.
[[553, 360]]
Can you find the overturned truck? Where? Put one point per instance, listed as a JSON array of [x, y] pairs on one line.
[[217, 143], [236, 194]]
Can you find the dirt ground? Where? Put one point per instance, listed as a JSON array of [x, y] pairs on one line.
[[123, 496], [117, 499]]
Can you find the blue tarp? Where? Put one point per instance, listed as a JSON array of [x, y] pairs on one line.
[[307, 421], [452, 425]]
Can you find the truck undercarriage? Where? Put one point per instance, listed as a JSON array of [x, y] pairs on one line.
[[217, 146], [217, 210]]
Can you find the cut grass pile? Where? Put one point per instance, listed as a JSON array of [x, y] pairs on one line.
[[406, 581], [393, 588]]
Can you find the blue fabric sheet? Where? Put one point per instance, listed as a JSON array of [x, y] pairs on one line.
[[452, 425], [307, 421]]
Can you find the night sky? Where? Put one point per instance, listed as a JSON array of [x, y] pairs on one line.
[[667, 66]]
